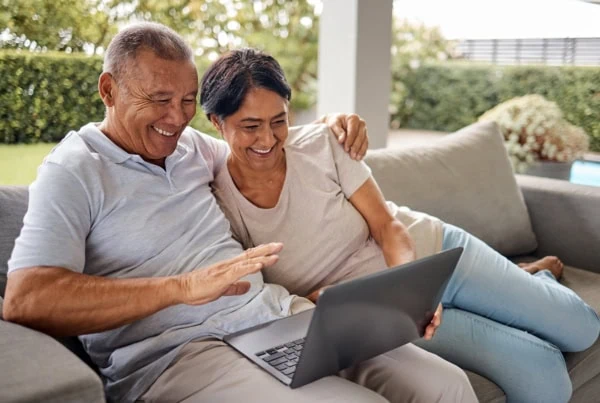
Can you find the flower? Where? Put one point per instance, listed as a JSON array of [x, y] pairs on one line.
[[534, 129]]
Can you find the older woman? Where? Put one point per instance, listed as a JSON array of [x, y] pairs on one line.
[[299, 187]]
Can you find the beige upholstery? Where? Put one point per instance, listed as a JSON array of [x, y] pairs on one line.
[[464, 179]]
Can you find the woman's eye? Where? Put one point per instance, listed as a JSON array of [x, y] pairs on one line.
[[279, 122], [189, 101], [163, 101], [251, 128]]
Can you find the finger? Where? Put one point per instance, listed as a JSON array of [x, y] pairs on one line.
[[237, 288], [364, 147], [313, 296], [338, 131], [357, 147], [429, 331], [258, 251], [352, 130], [233, 273]]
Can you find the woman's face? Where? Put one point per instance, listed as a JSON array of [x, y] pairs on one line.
[[257, 131]]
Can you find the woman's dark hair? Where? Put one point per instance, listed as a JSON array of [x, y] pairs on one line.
[[228, 80]]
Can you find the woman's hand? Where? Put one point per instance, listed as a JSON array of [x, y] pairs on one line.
[[434, 324], [350, 130], [314, 296]]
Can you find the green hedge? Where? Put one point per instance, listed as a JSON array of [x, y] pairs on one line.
[[451, 95], [44, 96]]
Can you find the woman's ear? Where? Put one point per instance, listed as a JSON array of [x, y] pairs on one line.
[[216, 123]]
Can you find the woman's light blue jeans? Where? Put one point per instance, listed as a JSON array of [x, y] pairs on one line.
[[508, 325]]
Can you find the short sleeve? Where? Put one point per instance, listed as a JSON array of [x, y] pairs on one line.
[[226, 198], [352, 174], [56, 224], [214, 151]]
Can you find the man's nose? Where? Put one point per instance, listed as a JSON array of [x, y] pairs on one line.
[[178, 115]]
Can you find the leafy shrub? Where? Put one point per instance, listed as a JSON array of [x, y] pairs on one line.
[[534, 129], [43, 97], [447, 96]]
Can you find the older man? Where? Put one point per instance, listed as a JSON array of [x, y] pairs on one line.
[[124, 245]]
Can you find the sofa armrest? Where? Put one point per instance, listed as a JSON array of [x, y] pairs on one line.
[[37, 368], [565, 218]]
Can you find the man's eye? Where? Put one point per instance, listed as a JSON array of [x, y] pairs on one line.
[[162, 101], [189, 101], [279, 122], [251, 128]]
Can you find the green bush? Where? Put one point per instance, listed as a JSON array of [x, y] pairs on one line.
[[450, 95], [43, 97]]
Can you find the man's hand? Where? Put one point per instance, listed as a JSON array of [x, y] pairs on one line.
[[434, 324], [222, 279], [350, 130]]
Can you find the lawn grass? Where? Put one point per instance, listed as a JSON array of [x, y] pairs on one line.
[[18, 163]]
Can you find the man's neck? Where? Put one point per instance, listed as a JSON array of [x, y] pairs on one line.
[[110, 131]]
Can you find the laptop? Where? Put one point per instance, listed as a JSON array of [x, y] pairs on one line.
[[352, 322]]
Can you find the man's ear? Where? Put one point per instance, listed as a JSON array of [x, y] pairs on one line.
[[216, 123], [106, 88]]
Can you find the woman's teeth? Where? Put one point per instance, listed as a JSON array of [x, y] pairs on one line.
[[262, 151], [163, 132]]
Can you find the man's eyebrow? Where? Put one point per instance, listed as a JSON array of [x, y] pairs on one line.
[[161, 94]]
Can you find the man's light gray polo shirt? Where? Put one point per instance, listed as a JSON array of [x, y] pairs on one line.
[[96, 209]]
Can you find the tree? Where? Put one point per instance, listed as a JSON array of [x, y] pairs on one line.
[[62, 25], [286, 29], [412, 46]]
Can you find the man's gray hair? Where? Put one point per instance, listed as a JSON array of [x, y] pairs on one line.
[[160, 39]]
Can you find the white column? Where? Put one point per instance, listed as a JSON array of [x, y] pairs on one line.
[[354, 62]]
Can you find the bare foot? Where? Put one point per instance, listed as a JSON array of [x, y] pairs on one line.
[[551, 263]]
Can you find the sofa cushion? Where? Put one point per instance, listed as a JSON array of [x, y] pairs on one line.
[[485, 390], [13, 205], [585, 365], [471, 170], [38, 369]]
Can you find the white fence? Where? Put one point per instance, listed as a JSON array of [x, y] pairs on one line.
[[550, 51]]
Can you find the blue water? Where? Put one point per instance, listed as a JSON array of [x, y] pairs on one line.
[[585, 173]]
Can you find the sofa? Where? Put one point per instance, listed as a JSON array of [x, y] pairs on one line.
[[465, 179]]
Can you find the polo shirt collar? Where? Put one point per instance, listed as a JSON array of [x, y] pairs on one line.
[[105, 146]]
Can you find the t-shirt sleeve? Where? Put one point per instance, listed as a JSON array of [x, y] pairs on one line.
[[56, 224], [351, 174]]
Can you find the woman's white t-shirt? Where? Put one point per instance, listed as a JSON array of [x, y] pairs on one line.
[[326, 240]]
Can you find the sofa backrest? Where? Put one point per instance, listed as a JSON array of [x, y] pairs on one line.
[[465, 179], [13, 205]]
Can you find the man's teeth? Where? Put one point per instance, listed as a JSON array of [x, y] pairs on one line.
[[163, 132], [262, 151]]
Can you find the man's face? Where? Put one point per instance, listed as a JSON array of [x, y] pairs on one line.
[[152, 105]]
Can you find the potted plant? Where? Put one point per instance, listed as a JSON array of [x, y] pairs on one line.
[[538, 139]]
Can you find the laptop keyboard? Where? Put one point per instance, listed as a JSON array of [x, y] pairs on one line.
[[283, 358]]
